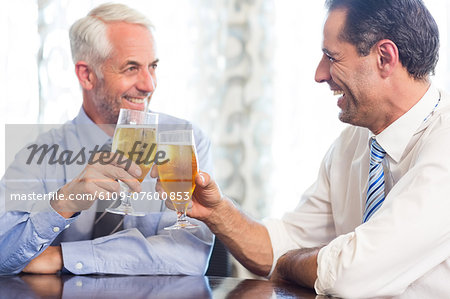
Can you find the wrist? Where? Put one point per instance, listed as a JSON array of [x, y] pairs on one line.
[[220, 215], [283, 265], [59, 204], [299, 266]]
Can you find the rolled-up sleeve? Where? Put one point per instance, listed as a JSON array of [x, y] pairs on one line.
[[403, 241]]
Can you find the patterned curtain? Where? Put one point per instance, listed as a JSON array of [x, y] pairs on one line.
[[59, 94], [237, 93], [19, 99], [238, 100]]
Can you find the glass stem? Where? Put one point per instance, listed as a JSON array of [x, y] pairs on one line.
[[124, 189], [126, 201], [181, 216]]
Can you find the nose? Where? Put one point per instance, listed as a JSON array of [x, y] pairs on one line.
[[323, 70], [147, 81]]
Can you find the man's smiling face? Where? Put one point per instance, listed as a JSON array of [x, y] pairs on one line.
[[129, 77], [348, 74]]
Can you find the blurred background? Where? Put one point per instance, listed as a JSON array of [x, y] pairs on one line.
[[243, 70]]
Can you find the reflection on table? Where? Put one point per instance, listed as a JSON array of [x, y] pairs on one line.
[[112, 286], [252, 288]]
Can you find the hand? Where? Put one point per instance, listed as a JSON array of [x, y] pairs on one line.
[[96, 178], [49, 261], [205, 198]]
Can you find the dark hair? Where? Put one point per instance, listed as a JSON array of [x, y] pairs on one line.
[[407, 23]]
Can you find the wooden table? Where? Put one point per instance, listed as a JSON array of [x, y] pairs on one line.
[[128, 287]]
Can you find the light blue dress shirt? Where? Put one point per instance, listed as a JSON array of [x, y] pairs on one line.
[[143, 247]]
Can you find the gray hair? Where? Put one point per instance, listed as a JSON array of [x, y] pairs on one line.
[[88, 36]]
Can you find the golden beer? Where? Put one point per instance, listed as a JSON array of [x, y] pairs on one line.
[[139, 141], [177, 176]]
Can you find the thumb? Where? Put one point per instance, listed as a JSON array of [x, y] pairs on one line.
[[202, 179]]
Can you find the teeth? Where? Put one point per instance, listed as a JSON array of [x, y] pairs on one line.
[[338, 92], [135, 100]]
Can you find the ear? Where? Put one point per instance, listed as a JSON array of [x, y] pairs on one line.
[[86, 75], [388, 58]]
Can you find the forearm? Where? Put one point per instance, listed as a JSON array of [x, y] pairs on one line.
[[246, 239], [298, 266], [48, 262]]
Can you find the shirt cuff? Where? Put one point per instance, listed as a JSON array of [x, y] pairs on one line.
[[49, 223], [78, 257], [277, 234], [327, 261]]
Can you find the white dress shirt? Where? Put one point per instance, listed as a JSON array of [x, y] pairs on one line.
[[406, 243]]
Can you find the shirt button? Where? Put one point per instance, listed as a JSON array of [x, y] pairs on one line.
[[67, 226], [56, 229], [78, 266]]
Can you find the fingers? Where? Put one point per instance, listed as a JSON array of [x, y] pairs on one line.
[[99, 179], [116, 173], [158, 187], [169, 205], [163, 195], [154, 171], [107, 176], [118, 160], [102, 177], [118, 168]]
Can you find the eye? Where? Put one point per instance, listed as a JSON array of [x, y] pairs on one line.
[[154, 65], [131, 69], [331, 59]]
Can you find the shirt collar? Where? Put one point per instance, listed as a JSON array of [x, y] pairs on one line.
[[396, 137], [88, 132]]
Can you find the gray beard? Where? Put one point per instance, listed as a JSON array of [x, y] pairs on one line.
[[110, 113], [107, 106]]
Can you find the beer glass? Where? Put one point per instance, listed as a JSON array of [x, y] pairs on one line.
[[177, 174], [135, 139]]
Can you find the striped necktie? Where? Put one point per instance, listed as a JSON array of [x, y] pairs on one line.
[[106, 223], [375, 191]]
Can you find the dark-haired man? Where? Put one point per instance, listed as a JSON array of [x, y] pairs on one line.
[[376, 219]]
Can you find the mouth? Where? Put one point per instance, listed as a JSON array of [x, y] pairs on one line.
[[341, 99], [135, 100], [135, 103], [337, 92]]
